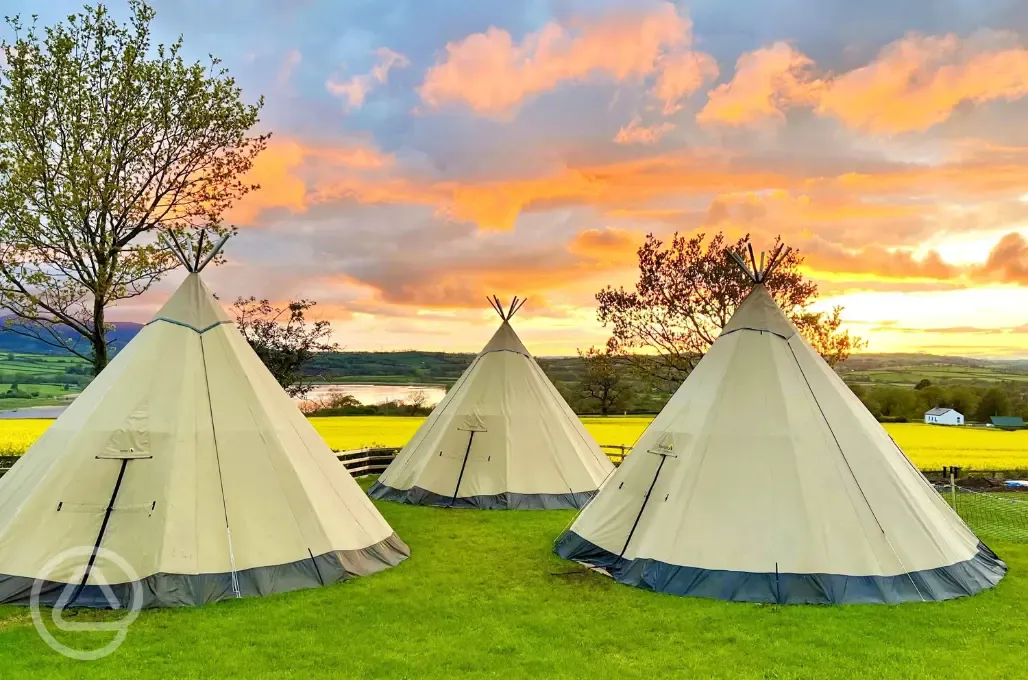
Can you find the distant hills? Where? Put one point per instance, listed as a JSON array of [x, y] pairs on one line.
[[443, 368], [10, 341], [875, 361]]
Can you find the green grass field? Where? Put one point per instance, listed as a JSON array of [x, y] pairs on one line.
[[483, 597]]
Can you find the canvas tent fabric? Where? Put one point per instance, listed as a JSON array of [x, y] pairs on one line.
[[502, 438], [764, 479], [185, 458]]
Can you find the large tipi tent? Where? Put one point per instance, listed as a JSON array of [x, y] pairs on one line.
[[502, 438], [764, 479], [185, 459]]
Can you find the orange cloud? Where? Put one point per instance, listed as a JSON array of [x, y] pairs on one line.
[[913, 84], [823, 256], [907, 201], [681, 74], [976, 179], [918, 81], [1007, 263], [280, 170], [609, 246], [634, 133], [492, 74], [766, 82], [355, 89], [274, 171], [780, 209], [463, 283], [498, 204]]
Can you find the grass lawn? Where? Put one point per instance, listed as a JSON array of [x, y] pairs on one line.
[[483, 596]]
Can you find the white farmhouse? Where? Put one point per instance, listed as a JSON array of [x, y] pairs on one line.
[[944, 416]]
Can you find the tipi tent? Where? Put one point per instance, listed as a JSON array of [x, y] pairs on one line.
[[764, 479], [185, 459], [502, 438]]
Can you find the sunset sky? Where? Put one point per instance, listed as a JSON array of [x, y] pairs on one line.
[[429, 152]]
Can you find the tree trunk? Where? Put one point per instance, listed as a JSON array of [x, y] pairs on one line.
[[99, 338]]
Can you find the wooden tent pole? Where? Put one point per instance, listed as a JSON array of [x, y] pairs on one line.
[[742, 265], [214, 252]]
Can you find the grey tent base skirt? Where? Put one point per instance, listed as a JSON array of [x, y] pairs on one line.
[[501, 501], [982, 571], [181, 590]]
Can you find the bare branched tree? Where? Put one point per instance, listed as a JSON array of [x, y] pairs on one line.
[[688, 290]]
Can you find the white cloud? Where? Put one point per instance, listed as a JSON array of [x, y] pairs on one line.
[[356, 89]]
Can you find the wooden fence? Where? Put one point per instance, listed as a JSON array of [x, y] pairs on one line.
[[363, 462], [616, 452]]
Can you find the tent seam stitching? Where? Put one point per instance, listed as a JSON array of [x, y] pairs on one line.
[[201, 331]]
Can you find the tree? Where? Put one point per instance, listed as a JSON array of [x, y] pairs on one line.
[[894, 402], [416, 402], [107, 144], [688, 290], [923, 383], [859, 391], [283, 338], [995, 402], [962, 399], [932, 396], [603, 386]]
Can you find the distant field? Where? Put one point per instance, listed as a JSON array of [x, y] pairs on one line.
[[21, 368], [929, 446], [911, 375], [45, 390], [17, 362]]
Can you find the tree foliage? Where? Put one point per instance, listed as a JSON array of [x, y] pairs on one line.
[[976, 402], [106, 143], [687, 291], [603, 387], [995, 402], [283, 338]]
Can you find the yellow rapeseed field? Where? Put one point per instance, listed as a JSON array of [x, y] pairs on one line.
[[16, 436], [929, 446]]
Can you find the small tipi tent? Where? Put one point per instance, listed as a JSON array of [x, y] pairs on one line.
[[185, 459], [502, 438], [764, 479]]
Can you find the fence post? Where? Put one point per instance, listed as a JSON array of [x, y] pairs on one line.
[[953, 488]]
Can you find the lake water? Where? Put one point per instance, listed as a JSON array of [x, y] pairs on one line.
[[378, 394], [44, 412]]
